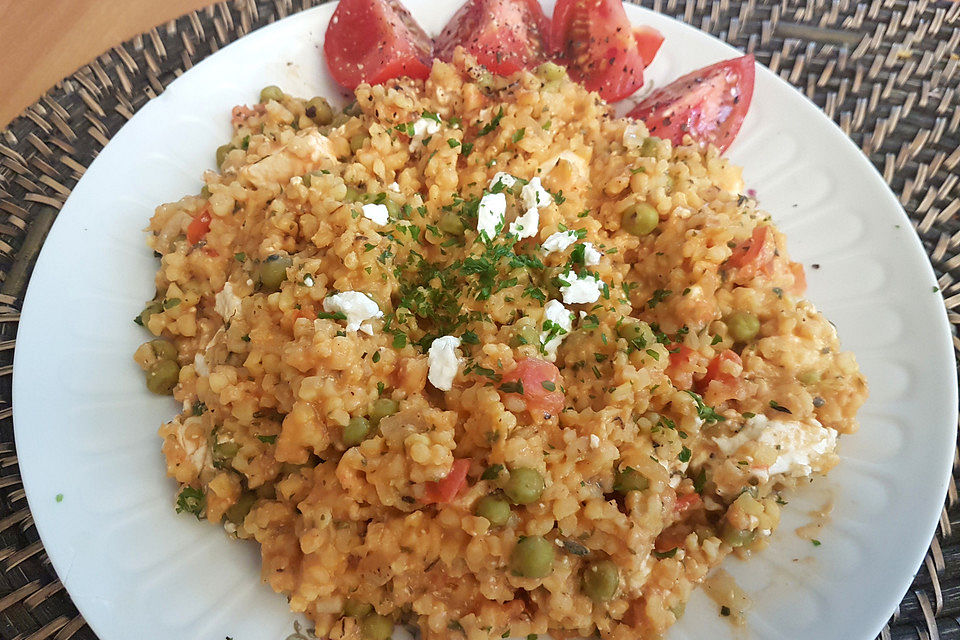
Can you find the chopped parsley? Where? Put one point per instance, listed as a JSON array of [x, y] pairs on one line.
[[665, 554], [684, 454], [658, 296], [493, 124], [267, 439], [816, 542], [518, 135], [707, 414], [492, 472], [776, 406], [191, 500]]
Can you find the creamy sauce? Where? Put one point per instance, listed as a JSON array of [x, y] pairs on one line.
[[819, 519], [724, 590]]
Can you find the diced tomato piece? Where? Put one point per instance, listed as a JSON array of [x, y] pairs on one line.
[[504, 35], [683, 359], [799, 279], [716, 370], [541, 384], [374, 41], [709, 104], [754, 254], [595, 39], [686, 501], [198, 227], [446, 489], [648, 43]]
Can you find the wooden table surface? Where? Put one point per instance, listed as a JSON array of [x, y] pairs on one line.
[[43, 41]]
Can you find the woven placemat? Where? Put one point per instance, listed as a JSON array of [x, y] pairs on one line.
[[885, 70]]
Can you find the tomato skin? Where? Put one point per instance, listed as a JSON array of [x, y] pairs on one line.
[[715, 370], [709, 104], [755, 254], [504, 35], [648, 43], [374, 41], [447, 488], [595, 39], [533, 372], [198, 227]]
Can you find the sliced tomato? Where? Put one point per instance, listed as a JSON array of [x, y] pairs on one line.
[[709, 104], [687, 501], [595, 39], [753, 254], [198, 227], [717, 371], [446, 489], [648, 43], [682, 362], [504, 35], [539, 385], [374, 41]]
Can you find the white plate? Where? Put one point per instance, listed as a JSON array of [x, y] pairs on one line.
[[86, 427]]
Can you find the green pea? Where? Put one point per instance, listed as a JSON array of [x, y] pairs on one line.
[[532, 557], [357, 141], [600, 580], [163, 349], [319, 111], [382, 407], [356, 609], [239, 510], [163, 376], [809, 377], [356, 431], [223, 453], [524, 485], [494, 509], [376, 627], [273, 271], [222, 152], [640, 219], [152, 307], [271, 92], [638, 331], [451, 223], [628, 480], [736, 537], [525, 334], [743, 326], [650, 147]]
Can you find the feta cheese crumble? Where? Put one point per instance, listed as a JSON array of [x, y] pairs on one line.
[[580, 289], [443, 362], [393, 186], [533, 195], [800, 446], [591, 257], [504, 179], [557, 321], [423, 128], [490, 213], [559, 241], [357, 306], [226, 302], [377, 213], [526, 226], [200, 365]]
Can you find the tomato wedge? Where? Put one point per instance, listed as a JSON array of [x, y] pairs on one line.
[[538, 382], [716, 371], [648, 43], [374, 41], [198, 227], [683, 359], [709, 104], [754, 254], [504, 35], [447, 488], [596, 41]]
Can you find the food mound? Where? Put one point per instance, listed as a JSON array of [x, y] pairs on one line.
[[476, 356]]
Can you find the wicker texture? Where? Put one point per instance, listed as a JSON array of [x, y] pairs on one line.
[[887, 71]]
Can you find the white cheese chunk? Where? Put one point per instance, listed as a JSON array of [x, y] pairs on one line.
[[526, 226], [393, 186], [591, 256], [443, 362], [377, 213], [559, 241], [533, 195], [558, 321], [503, 178], [423, 128], [580, 289], [226, 302], [200, 365], [799, 445], [490, 213], [357, 306]]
